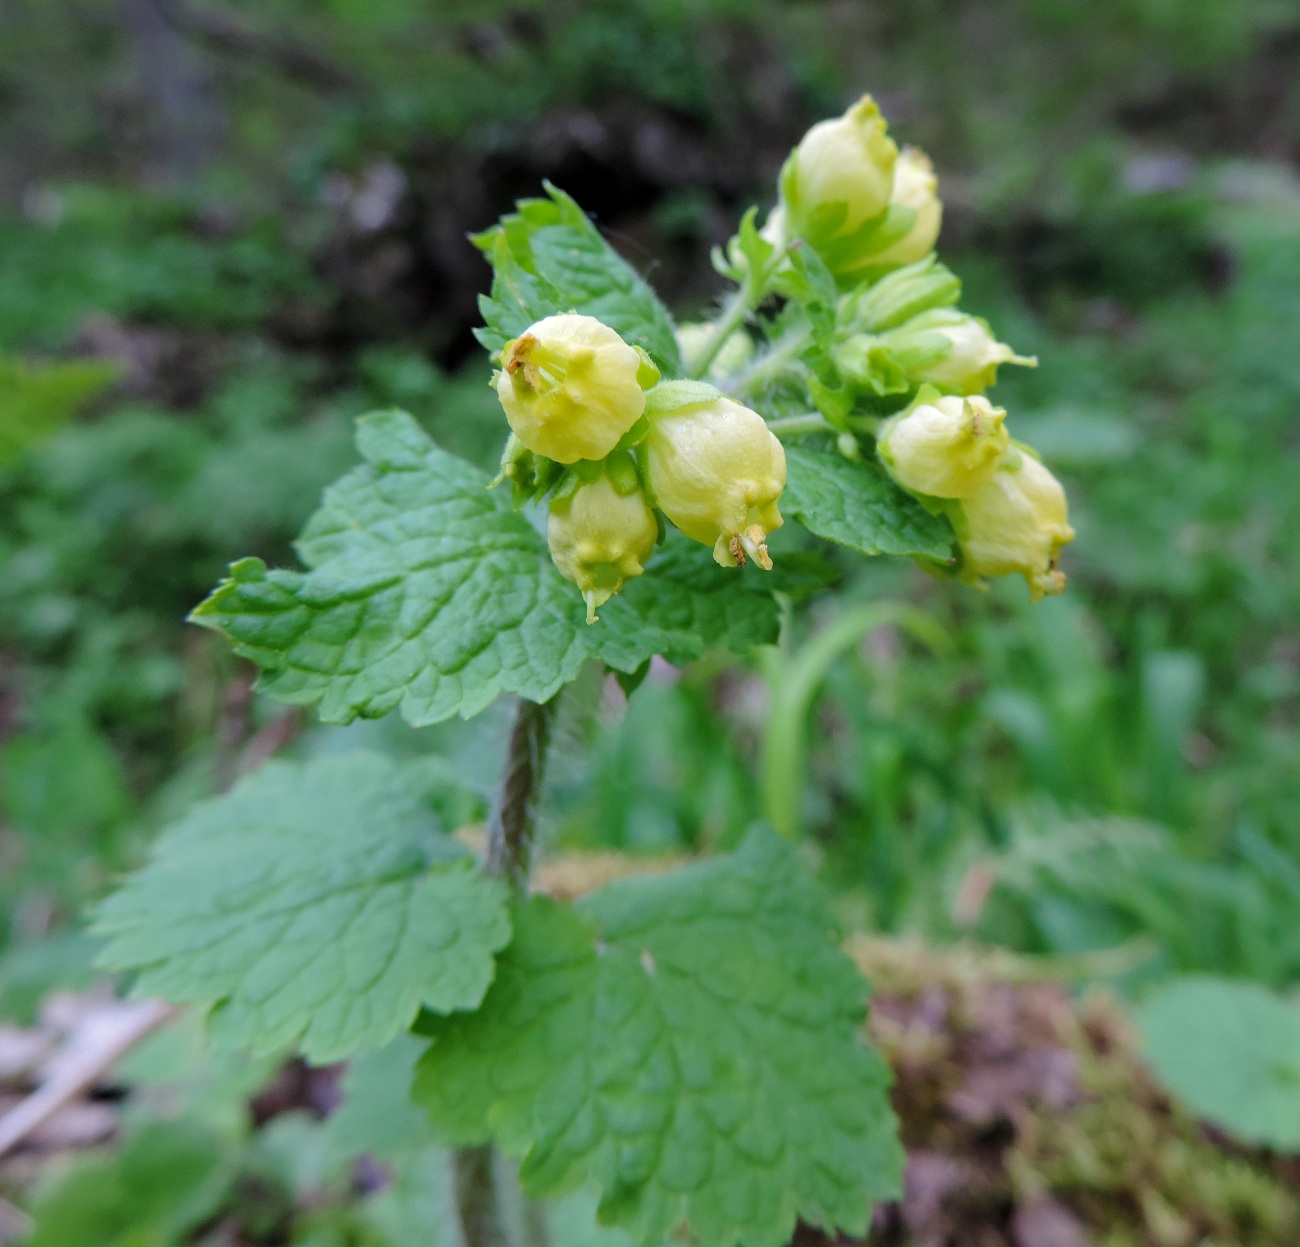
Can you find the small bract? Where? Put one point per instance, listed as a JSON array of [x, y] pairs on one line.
[[571, 387], [717, 471]]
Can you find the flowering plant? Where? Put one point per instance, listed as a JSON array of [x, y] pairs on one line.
[[684, 1048]]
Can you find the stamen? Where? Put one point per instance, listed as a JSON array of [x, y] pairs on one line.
[[753, 539]]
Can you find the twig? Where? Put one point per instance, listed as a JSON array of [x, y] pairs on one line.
[[95, 1047]]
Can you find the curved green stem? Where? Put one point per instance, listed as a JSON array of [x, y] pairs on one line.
[[770, 364], [794, 681], [743, 301], [787, 428]]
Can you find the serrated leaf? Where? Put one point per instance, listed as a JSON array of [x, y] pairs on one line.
[[681, 607], [548, 257], [857, 505], [314, 904], [1231, 1050], [426, 591], [689, 1045]]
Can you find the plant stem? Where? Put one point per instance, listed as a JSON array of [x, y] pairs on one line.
[[790, 427], [510, 838], [510, 831], [793, 681], [739, 306], [478, 1202], [771, 363]]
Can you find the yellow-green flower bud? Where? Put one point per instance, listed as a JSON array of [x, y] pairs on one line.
[[571, 387], [971, 362], [734, 354], [848, 160], [917, 189], [946, 448], [1016, 522], [717, 471], [600, 538]]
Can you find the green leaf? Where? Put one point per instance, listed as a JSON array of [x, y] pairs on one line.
[[427, 592], [376, 1117], [1231, 1050], [810, 283], [858, 506], [548, 257], [684, 605], [689, 1045], [316, 904], [165, 1181]]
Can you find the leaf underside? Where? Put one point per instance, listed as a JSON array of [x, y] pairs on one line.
[[687, 1044], [316, 905]]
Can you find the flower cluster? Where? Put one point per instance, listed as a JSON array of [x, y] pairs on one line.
[[578, 396], [871, 333], [873, 215]]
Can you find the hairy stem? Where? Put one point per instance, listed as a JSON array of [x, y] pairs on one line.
[[478, 1200], [769, 365], [789, 427], [510, 832], [510, 837], [738, 307]]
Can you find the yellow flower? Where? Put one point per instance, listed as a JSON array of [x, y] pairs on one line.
[[974, 355], [1016, 522], [946, 448], [600, 538], [915, 188], [571, 387], [717, 471], [848, 160]]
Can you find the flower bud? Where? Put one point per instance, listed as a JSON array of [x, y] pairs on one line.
[[847, 161], [946, 448], [716, 471], [600, 538], [571, 387], [970, 364], [1016, 522], [916, 189]]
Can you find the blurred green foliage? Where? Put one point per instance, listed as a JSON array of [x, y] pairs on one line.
[[228, 228]]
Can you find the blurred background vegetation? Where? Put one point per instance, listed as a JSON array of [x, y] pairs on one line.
[[228, 228]]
